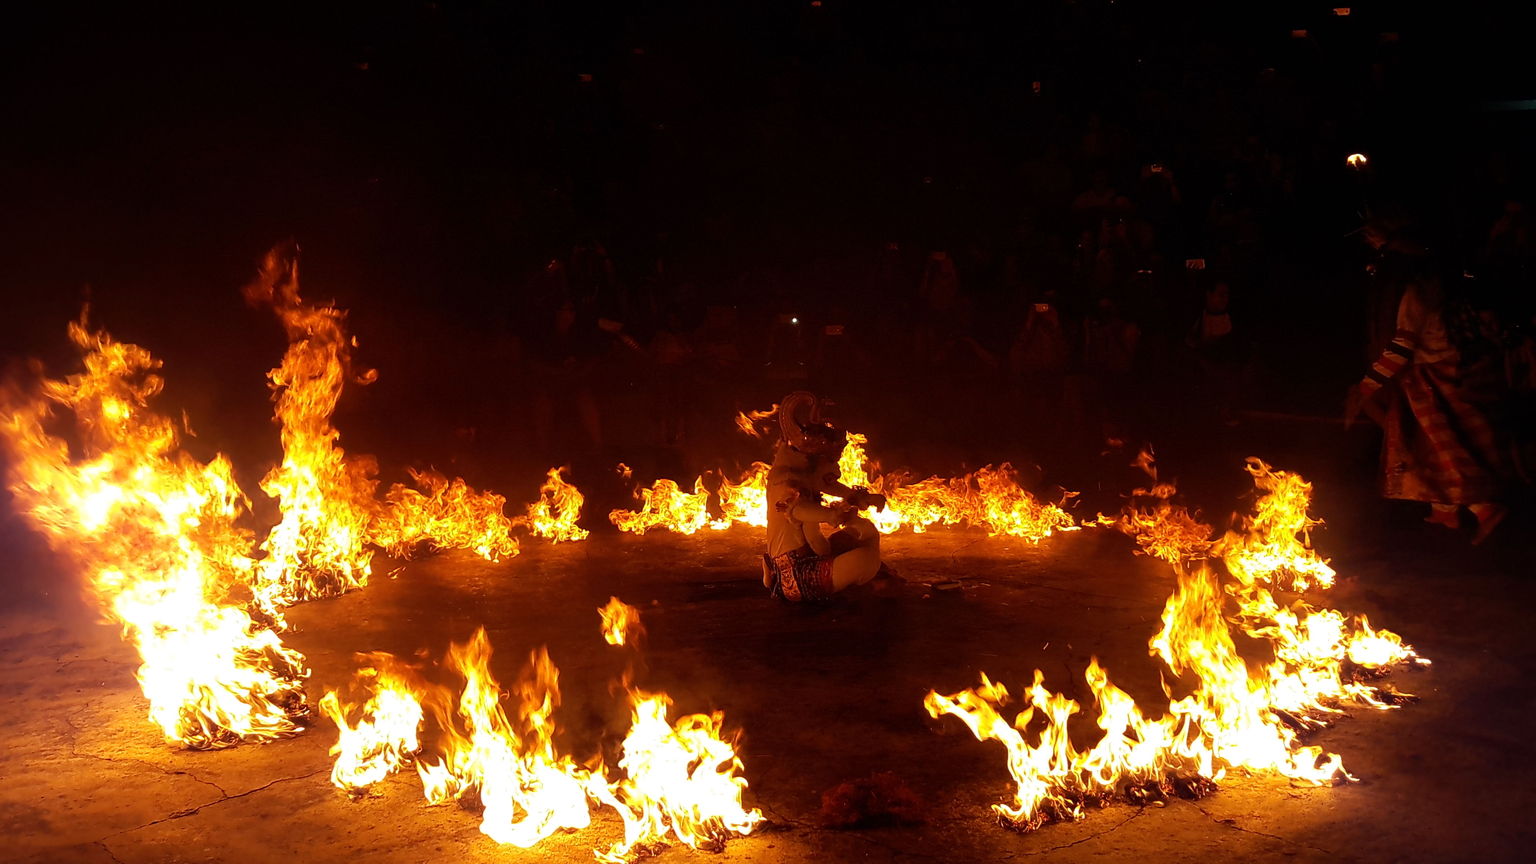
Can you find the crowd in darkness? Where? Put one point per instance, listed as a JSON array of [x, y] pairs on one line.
[[1013, 231], [1196, 251]]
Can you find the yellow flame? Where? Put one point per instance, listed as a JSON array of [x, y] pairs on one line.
[[153, 531], [747, 421], [442, 514], [990, 498], [317, 549], [527, 789], [554, 515], [621, 622], [1233, 715], [385, 737]]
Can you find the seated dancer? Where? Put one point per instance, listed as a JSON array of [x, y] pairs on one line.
[[802, 562]]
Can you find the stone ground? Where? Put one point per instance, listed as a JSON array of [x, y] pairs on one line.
[[822, 695]]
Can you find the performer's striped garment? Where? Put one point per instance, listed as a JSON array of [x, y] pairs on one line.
[[1440, 446]]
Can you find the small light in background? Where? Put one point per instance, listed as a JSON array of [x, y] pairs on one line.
[[1341, 11], [1356, 161], [584, 78], [1298, 34]]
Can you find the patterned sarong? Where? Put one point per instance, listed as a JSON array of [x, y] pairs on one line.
[[800, 575], [1440, 445]]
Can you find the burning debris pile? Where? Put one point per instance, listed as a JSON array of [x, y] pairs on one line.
[[678, 782], [1230, 716]]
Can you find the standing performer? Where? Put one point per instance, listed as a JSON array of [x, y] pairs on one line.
[[1440, 444], [802, 562]]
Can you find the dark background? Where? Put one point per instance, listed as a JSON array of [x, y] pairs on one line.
[[431, 158]]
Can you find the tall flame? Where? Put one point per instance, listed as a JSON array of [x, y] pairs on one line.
[[154, 533], [509, 764], [317, 549]]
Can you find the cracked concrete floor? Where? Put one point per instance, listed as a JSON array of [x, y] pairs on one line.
[[823, 695]]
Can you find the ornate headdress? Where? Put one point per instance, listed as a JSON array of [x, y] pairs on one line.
[[800, 420]]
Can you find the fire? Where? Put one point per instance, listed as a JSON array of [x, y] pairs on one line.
[[681, 780], [747, 421], [385, 737], [509, 764], [442, 514], [1233, 715], [1162, 529], [990, 498], [666, 506], [155, 534], [317, 549], [745, 501], [1274, 544], [621, 622], [554, 515]]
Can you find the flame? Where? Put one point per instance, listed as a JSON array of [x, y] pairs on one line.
[[527, 789], [442, 514], [621, 622], [680, 781], [666, 506], [1162, 529], [385, 737], [154, 533], [554, 515], [317, 549], [747, 421], [1233, 715], [989, 498], [683, 780], [1273, 545], [745, 501]]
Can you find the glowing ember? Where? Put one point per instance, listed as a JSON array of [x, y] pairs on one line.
[[317, 549], [442, 514], [554, 515], [154, 533]]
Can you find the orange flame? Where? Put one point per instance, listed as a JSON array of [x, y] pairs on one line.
[[747, 421], [154, 533], [317, 549], [621, 622], [554, 515], [442, 514], [1234, 716], [527, 789], [385, 737]]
